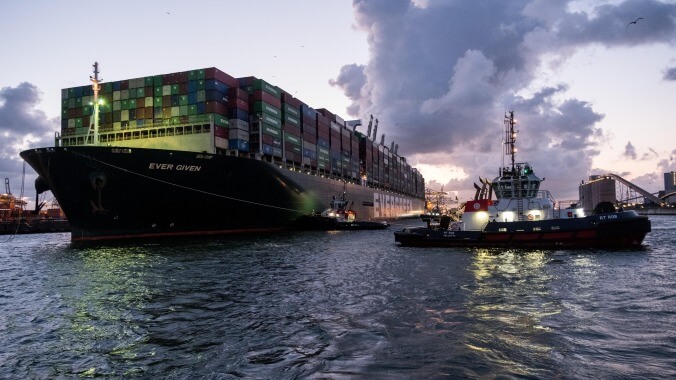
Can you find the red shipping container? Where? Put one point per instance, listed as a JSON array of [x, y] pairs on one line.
[[221, 132], [321, 120], [214, 73], [238, 103], [292, 129], [290, 100], [166, 79], [327, 114], [183, 77], [324, 135], [312, 139], [124, 85], [260, 95], [216, 107], [236, 92]]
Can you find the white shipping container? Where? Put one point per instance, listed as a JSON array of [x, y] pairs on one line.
[[221, 143], [239, 124], [238, 134]]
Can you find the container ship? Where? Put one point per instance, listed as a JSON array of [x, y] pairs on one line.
[[201, 152]]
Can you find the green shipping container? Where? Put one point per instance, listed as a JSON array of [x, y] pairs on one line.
[[263, 107], [292, 139], [271, 130], [260, 84], [220, 120], [196, 74], [277, 123], [288, 119]]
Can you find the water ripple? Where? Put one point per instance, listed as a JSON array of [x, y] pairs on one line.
[[334, 305]]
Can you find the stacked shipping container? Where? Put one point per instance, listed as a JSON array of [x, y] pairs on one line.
[[248, 115]]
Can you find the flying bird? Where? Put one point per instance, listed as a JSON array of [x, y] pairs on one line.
[[635, 21]]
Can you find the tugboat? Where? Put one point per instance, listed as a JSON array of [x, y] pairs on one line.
[[339, 216], [525, 216]]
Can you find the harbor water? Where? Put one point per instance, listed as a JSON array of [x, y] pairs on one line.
[[334, 305]]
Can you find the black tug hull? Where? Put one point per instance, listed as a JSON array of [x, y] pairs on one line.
[[615, 230], [322, 223]]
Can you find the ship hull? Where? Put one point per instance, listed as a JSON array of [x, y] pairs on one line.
[[614, 230], [116, 193]]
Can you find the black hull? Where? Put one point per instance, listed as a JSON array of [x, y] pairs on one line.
[[115, 193], [321, 223], [616, 230]]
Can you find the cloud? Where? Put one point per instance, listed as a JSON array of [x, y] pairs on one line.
[[630, 151], [22, 126], [441, 75], [670, 74]]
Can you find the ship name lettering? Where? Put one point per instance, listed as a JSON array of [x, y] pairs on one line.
[[188, 168], [183, 168], [154, 166]]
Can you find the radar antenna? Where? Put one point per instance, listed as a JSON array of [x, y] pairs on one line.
[[96, 86], [510, 137]]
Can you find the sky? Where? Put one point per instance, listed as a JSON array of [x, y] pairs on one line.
[[592, 93]]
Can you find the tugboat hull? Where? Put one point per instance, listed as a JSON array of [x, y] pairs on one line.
[[615, 230]]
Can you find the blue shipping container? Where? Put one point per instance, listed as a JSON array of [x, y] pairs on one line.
[[201, 107], [213, 84], [238, 113], [310, 153], [216, 96], [240, 145], [323, 143]]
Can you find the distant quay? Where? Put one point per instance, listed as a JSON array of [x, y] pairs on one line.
[[656, 210]]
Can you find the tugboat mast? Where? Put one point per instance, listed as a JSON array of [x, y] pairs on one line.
[[510, 137], [96, 86]]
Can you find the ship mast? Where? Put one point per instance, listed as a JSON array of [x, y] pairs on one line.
[[510, 137], [96, 86]]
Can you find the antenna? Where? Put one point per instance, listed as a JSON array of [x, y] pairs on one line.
[[96, 86], [510, 136]]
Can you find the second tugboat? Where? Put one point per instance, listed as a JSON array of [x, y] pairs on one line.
[[525, 216], [339, 216]]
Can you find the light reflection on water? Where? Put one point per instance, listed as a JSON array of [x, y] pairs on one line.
[[336, 305]]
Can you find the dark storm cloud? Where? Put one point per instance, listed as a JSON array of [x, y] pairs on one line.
[[22, 126], [441, 75]]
